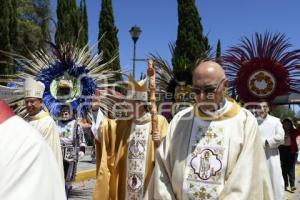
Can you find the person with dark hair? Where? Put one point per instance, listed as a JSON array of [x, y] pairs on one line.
[[272, 135], [41, 120], [289, 153], [28, 169]]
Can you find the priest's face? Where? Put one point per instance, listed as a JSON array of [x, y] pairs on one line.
[[265, 109], [137, 108], [33, 105], [209, 86]]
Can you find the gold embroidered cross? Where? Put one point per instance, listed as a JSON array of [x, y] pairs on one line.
[[202, 193], [209, 135]]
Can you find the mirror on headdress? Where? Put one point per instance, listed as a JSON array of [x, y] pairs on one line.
[[65, 88], [183, 92]]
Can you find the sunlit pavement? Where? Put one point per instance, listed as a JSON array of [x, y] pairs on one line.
[[296, 194], [83, 187], [83, 190]]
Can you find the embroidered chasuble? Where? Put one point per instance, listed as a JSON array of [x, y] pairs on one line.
[[202, 158], [125, 157], [48, 129]]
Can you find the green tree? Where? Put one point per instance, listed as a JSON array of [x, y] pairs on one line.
[[67, 22], [283, 112], [109, 44], [13, 24], [191, 44], [5, 44], [83, 18], [33, 26], [219, 52], [42, 8]]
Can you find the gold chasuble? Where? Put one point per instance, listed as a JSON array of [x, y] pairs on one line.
[[125, 157]]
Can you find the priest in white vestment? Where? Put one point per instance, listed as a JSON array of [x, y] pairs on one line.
[[28, 170], [41, 119], [212, 150], [272, 135]]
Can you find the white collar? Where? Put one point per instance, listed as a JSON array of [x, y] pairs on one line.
[[225, 108]]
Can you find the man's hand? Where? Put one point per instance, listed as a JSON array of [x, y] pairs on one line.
[[156, 138]]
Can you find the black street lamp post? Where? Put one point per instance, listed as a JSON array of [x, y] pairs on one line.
[[135, 32]]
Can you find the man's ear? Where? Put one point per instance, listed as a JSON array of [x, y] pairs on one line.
[[226, 83]]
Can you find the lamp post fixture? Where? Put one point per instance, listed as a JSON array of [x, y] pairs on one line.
[[135, 32]]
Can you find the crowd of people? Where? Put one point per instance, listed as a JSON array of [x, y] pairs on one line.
[[215, 149]]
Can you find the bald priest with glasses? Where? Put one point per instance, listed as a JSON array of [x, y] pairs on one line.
[[212, 150]]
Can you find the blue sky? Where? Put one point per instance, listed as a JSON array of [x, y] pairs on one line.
[[227, 20]]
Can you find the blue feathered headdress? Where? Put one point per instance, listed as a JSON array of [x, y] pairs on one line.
[[70, 75]]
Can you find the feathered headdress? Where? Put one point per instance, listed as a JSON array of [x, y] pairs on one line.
[[262, 67], [70, 75]]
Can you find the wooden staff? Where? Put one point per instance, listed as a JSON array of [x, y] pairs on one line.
[[153, 111]]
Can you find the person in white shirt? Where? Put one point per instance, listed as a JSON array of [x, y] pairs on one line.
[[272, 135]]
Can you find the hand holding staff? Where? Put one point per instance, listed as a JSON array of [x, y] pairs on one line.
[[153, 111]]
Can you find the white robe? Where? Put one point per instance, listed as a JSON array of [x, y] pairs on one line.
[[246, 175], [44, 123], [272, 131], [28, 170]]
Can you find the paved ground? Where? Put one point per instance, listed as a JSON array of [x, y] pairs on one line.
[[84, 189], [295, 195], [85, 162]]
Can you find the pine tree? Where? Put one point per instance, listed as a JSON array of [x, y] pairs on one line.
[[83, 18], [67, 22], [13, 24], [219, 53], [191, 44], [109, 44], [5, 45], [33, 26], [43, 11]]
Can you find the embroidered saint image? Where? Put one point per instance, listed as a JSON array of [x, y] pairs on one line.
[[136, 148], [206, 164], [135, 182]]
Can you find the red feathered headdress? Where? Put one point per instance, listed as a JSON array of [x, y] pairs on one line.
[[262, 68]]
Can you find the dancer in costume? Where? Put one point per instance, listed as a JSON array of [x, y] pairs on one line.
[[125, 148], [73, 144], [60, 66], [260, 69], [218, 130]]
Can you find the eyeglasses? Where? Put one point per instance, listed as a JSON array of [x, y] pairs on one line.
[[207, 89]]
